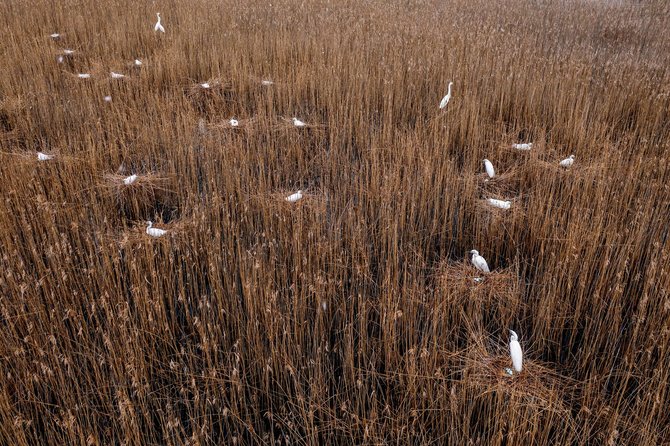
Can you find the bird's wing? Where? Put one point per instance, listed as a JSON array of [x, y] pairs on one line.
[[481, 264], [517, 355]]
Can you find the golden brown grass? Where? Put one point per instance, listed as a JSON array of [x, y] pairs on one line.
[[352, 316]]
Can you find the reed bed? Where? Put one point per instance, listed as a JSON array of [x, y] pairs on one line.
[[351, 316]]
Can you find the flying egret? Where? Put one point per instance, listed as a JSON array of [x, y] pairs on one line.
[[294, 197], [158, 26], [233, 122], [489, 168], [568, 161], [502, 204], [445, 100], [117, 75], [525, 146], [155, 232], [83, 75], [44, 157], [298, 123], [130, 180], [515, 352], [108, 98], [479, 262], [138, 63]]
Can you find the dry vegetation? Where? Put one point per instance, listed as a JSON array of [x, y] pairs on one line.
[[352, 316]]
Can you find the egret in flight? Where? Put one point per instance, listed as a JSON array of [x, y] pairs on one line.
[[479, 262], [567, 162], [298, 123], [234, 122], [489, 168], [155, 232], [502, 204], [445, 100], [515, 352], [117, 75], [130, 180], [294, 197], [525, 146], [44, 157], [158, 26], [83, 75]]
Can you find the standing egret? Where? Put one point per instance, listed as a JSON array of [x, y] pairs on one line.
[[445, 100], [502, 204], [479, 262], [526, 146], [83, 75], [155, 232], [117, 75], [158, 26], [568, 161], [233, 122], [489, 168], [515, 352], [44, 157], [130, 180], [294, 197], [298, 123]]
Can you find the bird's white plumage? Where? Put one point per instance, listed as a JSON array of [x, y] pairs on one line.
[[479, 262], [117, 75], [108, 98], [568, 161], [205, 85], [502, 204], [298, 123], [55, 36], [138, 63], [130, 179], [523, 146], [60, 59], [234, 122], [445, 99], [68, 52], [266, 82], [83, 75], [158, 26], [155, 232], [294, 197], [44, 157], [490, 171], [515, 352]]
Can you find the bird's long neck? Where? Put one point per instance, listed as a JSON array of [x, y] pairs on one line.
[[449, 90], [150, 224]]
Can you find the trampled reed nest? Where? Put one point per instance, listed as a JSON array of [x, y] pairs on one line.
[[463, 281]]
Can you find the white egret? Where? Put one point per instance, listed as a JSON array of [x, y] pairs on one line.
[[117, 75], [445, 100], [60, 59], [515, 352], [83, 75], [568, 161], [155, 232], [266, 82], [68, 52], [525, 146], [108, 98], [234, 122], [205, 85], [44, 157], [294, 197], [490, 171], [138, 63], [479, 262], [55, 36], [298, 123], [130, 180], [502, 204], [158, 26]]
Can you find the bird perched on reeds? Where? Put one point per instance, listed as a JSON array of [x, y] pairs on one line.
[[294, 197], [158, 26], [155, 232], [490, 171], [523, 146], [130, 179], [515, 352], [44, 157], [205, 85], [234, 122], [298, 123], [137, 63], [502, 204], [445, 100], [567, 162], [479, 262]]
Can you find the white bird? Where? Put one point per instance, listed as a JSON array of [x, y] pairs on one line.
[[55, 36], [83, 75], [138, 63], [266, 82], [298, 123], [568, 161], [515, 352], [68, 52], [117, 75], [108, 99], [233, 122], [60, 59], [44, 157], [155, 232], [502, 204], [526, 146], [294, 197], [130, 180], [479, 262], [489, 168], [445, 100], [205, 85], [158, 26]]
